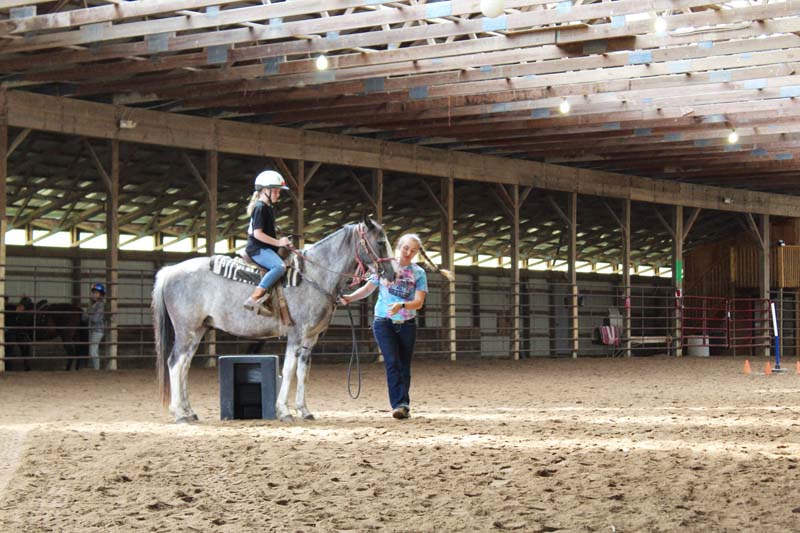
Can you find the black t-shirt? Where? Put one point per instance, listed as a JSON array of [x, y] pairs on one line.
[[263, 218]]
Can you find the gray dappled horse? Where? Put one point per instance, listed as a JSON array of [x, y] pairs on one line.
[[189, 299]]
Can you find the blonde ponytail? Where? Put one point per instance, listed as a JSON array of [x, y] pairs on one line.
[[252, 204], [444, 272], [427, 260]]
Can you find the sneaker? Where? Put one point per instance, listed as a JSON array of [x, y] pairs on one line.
[[400, 412], [250, 304]]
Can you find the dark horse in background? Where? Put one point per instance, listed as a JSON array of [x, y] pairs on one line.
[[27, 324]]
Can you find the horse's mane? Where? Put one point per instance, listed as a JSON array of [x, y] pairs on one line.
[[347, 227]]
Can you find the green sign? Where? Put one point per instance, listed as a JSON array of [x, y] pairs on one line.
[[679, 271]]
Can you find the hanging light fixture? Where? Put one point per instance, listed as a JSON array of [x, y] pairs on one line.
[[733, 137], [492, 8], [564, 107], [322, 62]]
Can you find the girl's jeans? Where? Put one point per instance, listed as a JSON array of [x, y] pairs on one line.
[[270, 260], [396, 341]]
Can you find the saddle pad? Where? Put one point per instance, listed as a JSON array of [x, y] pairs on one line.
[[294, 272], [234, 269]]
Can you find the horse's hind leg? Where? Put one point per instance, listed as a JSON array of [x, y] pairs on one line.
[[303, 368], [180, 361]]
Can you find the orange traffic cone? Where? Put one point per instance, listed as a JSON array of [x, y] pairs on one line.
[[747, 366], [767, 369]]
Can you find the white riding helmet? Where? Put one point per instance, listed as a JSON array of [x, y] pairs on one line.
[[271, 180]]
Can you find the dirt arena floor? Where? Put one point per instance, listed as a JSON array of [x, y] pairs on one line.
[[644, 444]]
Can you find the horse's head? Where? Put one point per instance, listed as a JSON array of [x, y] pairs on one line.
[[374, 250]]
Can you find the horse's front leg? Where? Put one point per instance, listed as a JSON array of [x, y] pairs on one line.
[[289, 364], [303, 367]]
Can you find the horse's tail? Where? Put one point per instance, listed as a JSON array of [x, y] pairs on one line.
[[164, 333]]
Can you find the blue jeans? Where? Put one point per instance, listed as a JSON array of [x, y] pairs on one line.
[[94, 348], [396, 342], [270, 260]]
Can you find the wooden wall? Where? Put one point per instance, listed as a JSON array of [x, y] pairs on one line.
[[718, 269]]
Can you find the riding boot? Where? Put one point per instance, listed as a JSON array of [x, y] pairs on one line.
[[251, 304]]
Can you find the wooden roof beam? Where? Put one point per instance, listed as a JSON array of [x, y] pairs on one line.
[[349, 22], [97, 14], [520, 40], [182, 22], [625, 118], [27, 110], [519, 101], [663, 109]]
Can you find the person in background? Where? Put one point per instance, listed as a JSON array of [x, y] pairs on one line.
[[95, 318], [262, 243], [395, 324]]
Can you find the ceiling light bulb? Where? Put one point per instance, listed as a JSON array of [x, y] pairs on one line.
[[660, 25], [492, 8], [322, 62], [564, 107], [733, 137]]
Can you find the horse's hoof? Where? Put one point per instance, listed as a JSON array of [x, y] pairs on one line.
[[287, 418], [309, 416], [187, 419]]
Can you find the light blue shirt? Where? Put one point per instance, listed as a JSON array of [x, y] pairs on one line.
[[409, 280]]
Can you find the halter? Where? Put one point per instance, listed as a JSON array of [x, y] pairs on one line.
[[361, 268]]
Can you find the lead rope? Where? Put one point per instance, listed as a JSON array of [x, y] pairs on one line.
[[353, 356]]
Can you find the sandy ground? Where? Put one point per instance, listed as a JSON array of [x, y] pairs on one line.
[[650, 444]]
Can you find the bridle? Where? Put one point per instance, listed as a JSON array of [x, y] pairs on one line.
[[361, 268]]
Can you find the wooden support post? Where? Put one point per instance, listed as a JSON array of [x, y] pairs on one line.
[[445, 202], [626, 275], [515, 273], [376, 197], [300, 202], [511, 204], [448, 262], [3, 228], [77, 280], [475, 301], [677, 278], [377, 194], [112, 255], [212, 188], [764, 280], [212, 178], [572, 271]]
